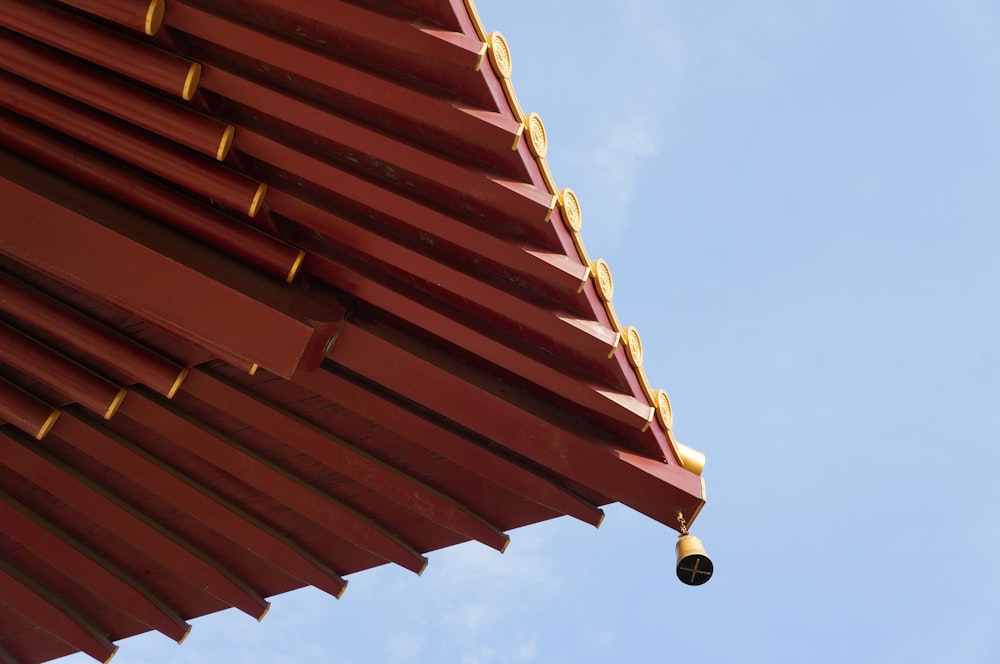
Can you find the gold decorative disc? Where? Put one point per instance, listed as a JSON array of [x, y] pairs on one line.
[[605, 286], [536, 133], [500, 55], [633, 345], [571, 209], [664, 409]]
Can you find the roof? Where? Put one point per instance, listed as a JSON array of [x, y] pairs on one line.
[[288, 291]]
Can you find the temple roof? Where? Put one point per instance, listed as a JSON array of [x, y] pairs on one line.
[[288, 291]]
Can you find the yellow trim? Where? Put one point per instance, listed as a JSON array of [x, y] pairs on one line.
[[704, 499], [482, 56], [517, 136], [586, 278], [342, 589], [267, 607], [177, 383], [501, 61], [181, 640], [154, 16], [506, 543], [691, 459], [191, 81], [614, 346], [113, 408], [225, 143], [600, 520], [552, 207], [258, 199], [47, 424], [114, 652], [294, 270], [477, 23], [649, 420], [253, 368]]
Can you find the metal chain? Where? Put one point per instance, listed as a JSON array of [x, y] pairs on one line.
[[680, 520]]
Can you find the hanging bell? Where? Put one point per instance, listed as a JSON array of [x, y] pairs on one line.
[[694, 567]]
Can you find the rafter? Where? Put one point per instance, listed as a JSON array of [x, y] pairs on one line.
[[491, 408], [148, 196], [217, 513], [161, 277], [451, 445], [132, 526], [550, 327], [107, 48], [327, 449], [439, 118], [25, 411], [60, 372], [140, 15], [161, 157], [278, 483], [88, 85], [142, 364], [42, 606], [88, 568]]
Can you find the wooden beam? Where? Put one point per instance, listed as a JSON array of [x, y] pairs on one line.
[[219, 514], [25, 411], [60, 372], [557, 330], [527, 270], [6, 657], [132, 526], [492, 408], [142, 364], [135, 146], [592, 384], [106, 48], [140, 15], [88, 568], [130, 187], [43, 607], [58, 72], [274, 481], [439, 118], [335, 452], [456, 447], [159, 276]]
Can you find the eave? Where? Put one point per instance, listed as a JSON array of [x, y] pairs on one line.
[[287, 293]]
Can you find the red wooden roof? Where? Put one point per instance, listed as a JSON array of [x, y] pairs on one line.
[[287, 291]]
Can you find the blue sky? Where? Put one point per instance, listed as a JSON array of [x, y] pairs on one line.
[[799, 202]]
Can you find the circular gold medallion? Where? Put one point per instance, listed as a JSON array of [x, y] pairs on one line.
[[605, 286], [536, 133], [633, 345], [500, 55], [664, 409], [571, 209]]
